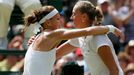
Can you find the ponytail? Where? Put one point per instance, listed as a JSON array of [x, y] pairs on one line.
[[30, 19], [99, 16]]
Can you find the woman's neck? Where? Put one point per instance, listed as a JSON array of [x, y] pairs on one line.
[[48, 30]]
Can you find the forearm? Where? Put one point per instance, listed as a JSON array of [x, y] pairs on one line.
[[98, 30], [63, 52], [64, 49], [128, 17]]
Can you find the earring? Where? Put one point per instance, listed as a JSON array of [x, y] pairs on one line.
[[83, 21]]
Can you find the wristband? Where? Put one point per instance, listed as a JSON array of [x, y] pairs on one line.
[[111, 28]]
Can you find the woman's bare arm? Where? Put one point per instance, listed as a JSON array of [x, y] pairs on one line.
[[64, 49], [68, 34], [108, 59], [64, 34]]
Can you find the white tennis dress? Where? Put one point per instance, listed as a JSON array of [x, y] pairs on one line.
[[39, 62], [89, 46]]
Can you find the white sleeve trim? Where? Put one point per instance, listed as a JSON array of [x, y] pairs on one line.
[[101, 46], [74, 42], [102, 40]]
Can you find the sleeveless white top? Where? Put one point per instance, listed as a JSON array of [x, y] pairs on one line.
[[39, 62], [89, 46]]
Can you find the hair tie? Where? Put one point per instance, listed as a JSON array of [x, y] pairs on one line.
[[36, 28]]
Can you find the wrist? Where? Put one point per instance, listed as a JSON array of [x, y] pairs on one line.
[[111, 28]]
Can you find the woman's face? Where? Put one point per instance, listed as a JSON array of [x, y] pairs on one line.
[[56, 21], [77, 17]]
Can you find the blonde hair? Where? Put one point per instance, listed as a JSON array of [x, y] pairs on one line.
[[94, 12]]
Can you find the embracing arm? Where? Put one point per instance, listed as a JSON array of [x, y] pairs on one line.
[[95, 30], [64, 34], [108, 59], [64, 49]]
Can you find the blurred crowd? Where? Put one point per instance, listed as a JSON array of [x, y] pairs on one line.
[[119, 13]]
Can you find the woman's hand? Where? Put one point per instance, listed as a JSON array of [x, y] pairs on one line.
[[30, 41], [119, 34]]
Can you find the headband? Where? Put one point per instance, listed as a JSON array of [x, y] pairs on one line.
[[48, 16]]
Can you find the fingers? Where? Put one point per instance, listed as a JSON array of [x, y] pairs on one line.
[[30, 40], [117, 32], [120, 34]]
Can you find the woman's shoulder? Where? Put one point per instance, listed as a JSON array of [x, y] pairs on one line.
[[60, 30], [55, 33]]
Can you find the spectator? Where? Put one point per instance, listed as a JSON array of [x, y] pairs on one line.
[[17, 42], [59, 63], [18, 66], [72, 68], [8, 62], [6, 7], [104, 5], [130, 69], [124, 60], [123, 17], [129, 49]]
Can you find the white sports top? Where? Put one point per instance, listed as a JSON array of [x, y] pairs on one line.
[[89, 46], [39, 62]]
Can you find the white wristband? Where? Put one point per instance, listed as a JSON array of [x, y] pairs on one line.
[[111, 28]]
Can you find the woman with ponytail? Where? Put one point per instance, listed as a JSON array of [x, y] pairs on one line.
[[97, 50]]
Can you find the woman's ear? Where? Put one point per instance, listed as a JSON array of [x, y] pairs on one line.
[[84, 17], [47, 22]]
